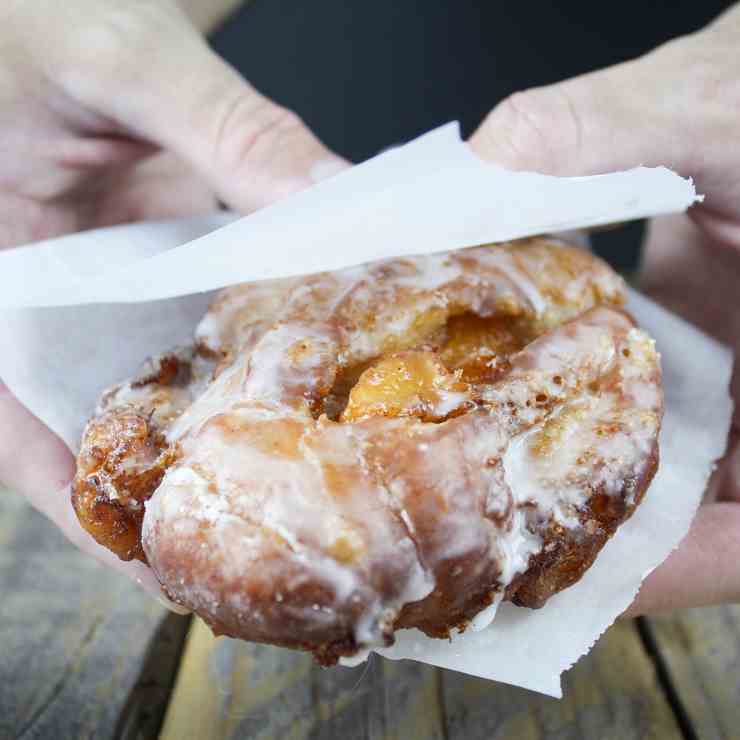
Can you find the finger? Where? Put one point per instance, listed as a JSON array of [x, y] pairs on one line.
[[678, 266], [175, 91], [159, 188], [58, 508], [667, 108], [36, 463], [581, 126], [33, 460], [95, 153], [685, 270], [728, 472], [702, 571]]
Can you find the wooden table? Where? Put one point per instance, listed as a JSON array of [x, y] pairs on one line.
[[84, 654]]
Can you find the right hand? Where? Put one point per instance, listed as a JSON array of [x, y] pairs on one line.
[[678, 106]]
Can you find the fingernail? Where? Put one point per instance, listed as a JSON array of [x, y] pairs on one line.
[[327, 168]]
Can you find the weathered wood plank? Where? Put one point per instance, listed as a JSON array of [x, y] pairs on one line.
[[611, 693], [229, 689], [232, 689], [74, 637], [700, 649]]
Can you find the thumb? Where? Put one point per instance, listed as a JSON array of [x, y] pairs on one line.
[[590, 124], [250, 150], [33, 460], [37, 464], [173, 90], [675, 107]]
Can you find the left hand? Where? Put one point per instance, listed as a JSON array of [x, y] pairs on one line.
[[119, 111]]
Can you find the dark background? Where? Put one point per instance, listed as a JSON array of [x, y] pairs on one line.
[[365, 75]]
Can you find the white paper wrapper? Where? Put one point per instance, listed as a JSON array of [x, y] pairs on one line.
[[431, 195], [428, 196]]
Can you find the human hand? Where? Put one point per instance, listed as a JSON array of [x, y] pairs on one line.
[[90, 90], [113, 112], [678, 106]]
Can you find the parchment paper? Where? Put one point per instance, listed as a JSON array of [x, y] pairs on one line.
[[430, 195], [427, 196]]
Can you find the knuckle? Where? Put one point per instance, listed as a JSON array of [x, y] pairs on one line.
[[518, 124], [249, 130], [535, 128]]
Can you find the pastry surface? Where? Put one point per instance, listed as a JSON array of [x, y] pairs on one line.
[[403, 444]]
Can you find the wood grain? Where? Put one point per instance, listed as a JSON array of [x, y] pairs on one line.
[[612, 693], [232, 689], [229, 689], [74, 638], [700, 649]]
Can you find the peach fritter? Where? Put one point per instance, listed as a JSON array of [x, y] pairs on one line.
[[403, 444]]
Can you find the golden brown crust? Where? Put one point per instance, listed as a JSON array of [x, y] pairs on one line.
[[123, 454], [121, 462], [568, 554]]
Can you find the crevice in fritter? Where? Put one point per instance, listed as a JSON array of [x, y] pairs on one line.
[[472, 348], [377, 477], [168, 369], [335, 401]]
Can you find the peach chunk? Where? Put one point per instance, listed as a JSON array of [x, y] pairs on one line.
[[477, 345], [413, 383]]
